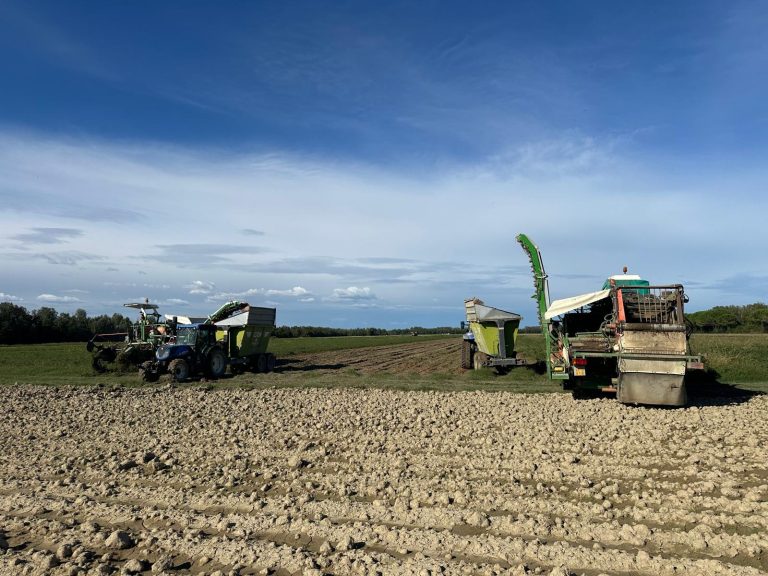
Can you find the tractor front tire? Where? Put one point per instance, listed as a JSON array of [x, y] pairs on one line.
[[217, 363], [147, 373], [270, 362], [179, 369]]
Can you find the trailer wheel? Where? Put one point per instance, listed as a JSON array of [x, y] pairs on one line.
[[261, 363], [217, 363], [179, 369], [270, 362], [466, 354]]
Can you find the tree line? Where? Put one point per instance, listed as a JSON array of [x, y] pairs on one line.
[[46, 325], [748, 318], [313, 331], [18, 326]]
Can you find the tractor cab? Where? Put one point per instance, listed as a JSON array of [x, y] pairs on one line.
[[197, 336]]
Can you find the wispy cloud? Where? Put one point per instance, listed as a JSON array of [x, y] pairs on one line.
[[200, 255], [48, 235], [69, 258], [53, 298], [444, 235]]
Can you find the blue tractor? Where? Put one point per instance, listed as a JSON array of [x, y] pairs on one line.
[[195, 352]]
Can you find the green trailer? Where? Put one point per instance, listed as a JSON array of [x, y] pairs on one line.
[[245, 336], [490, 338]]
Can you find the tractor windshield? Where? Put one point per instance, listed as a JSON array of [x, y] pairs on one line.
[[186, 335]]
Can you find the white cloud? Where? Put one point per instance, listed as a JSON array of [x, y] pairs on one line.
[[57, 299], [296, 291], [175, 302], [306, 299], [353, 293], [200, 287], [9, 298]]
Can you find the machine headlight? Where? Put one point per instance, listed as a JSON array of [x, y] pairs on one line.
[[163, 352]]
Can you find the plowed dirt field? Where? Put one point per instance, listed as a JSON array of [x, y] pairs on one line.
[[184, 480], [429, 357]]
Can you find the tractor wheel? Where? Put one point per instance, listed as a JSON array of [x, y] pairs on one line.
[[179, 369], [261, 363], [146, 372], [103, 356], [217, 363], [466, 354], [270, 362]]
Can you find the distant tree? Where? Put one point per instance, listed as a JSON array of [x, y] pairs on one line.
[[15, 324]]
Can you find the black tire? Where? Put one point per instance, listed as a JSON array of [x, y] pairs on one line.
[[466, 354], [147, 374], [216, 364], [236, 369], [502, 370], [270, 362], [261, 363], [102, 357], [179, 369]]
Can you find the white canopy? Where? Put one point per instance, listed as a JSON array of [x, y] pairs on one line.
[[567, 304]]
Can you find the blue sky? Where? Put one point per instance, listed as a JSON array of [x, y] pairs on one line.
[[369, 163]]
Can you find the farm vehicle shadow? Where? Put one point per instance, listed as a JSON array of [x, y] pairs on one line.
[[706, 389]]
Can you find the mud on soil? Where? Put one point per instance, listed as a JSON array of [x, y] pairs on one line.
[[344, 481]]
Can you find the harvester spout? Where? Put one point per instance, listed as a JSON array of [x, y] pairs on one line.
[[540, 282], [225, 311]]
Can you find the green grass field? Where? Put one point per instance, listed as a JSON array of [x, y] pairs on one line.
[[740, 360]]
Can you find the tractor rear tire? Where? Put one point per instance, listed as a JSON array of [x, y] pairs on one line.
[[466, 354], [179, 369], [270, 362], [217, 364]]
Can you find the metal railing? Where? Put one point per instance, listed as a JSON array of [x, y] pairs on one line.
[[660, 305]]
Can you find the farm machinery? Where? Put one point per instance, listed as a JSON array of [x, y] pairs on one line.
[[630, 337], [490, 338], [237, 335], [133, 347]]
